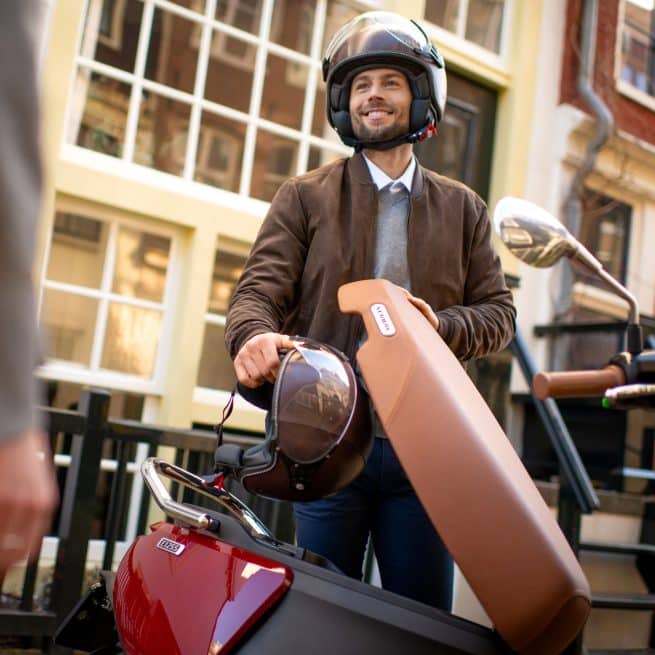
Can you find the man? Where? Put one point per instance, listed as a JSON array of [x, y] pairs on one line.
[[27, 487], [376, 214]]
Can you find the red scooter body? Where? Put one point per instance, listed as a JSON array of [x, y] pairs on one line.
[[229, 587], [178, 591]]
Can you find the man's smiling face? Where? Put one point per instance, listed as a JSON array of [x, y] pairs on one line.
[[380, 101]]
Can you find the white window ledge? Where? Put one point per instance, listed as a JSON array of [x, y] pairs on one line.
[[160, 181], [632, 92], [66, 372], [594, 299]]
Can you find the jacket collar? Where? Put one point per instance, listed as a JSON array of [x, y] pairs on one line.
[[360, 174], [381, 179]]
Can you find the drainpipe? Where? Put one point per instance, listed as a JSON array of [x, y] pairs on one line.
[[604, 124]]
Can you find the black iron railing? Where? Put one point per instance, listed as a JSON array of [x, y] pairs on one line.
[[33, 618], [576, 493]]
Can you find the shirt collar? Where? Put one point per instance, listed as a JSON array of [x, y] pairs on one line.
[[381, 179]]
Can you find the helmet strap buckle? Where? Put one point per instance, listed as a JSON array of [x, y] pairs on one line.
[[428, 132]]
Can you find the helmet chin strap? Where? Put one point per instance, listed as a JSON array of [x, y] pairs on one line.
[[412, 137]]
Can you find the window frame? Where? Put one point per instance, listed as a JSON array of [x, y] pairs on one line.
[[595, 297], [93, 373], [208, 27], [622, 86], [115, 37], [457, 40], [216, 318]]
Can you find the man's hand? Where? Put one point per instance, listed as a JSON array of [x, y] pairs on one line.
[[28, 495], [258, 360], [424, 308]]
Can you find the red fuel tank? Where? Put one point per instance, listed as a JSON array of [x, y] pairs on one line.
[[181, 592]]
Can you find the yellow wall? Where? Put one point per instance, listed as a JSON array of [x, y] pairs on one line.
[[515, 112], [515, 103]]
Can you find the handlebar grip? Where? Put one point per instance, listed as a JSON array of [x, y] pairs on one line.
[[577, 384]]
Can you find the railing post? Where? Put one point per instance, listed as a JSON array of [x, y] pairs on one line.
[[569, 516], [567, 454], [78, 504]]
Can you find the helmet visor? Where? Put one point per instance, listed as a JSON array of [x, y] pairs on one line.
[[378, 30], [315, 398]]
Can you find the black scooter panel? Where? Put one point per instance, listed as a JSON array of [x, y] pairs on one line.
[[324, 612]]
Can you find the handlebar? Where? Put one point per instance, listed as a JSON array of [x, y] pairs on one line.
[[153, 469], [567, 384]]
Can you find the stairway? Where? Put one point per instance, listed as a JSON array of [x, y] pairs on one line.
[[614, 558]]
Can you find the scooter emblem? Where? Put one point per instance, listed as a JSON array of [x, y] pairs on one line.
[[172, 547], [383, 320]]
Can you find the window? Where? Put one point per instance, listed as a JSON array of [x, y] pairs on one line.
[[292, 27], [105, 294], [244, 15], [277, 158], [637, 52], [111, 23], [219, 154], [464, 146], [478, 21], [202, 90], [216, 370], [605, 231]]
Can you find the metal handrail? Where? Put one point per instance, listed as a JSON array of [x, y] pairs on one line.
[[560, 438]]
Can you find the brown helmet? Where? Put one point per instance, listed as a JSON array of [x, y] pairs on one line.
[[318, 429], [382, 39]]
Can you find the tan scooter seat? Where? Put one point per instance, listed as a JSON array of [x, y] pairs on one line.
[[466, 473]]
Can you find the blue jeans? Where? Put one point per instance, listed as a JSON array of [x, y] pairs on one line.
[[413, 560]]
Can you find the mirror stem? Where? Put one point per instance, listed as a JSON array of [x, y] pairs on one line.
[[634, 337]]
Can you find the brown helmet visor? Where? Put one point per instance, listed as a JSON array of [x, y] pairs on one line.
[[314, 402]]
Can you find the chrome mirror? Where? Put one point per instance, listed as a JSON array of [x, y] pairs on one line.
[[539, 239], [531, 233]]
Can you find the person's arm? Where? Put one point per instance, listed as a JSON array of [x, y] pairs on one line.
[[258, 360], [485, 322], [20, 198], [28, 495], [28, 491], [266, 292]]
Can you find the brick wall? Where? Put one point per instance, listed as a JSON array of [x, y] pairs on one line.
[[629, 115]]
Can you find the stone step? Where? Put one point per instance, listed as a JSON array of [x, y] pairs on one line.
[[623, 601], [621, 549]]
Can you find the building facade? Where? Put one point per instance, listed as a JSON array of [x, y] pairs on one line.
[[169, 127], [603, 159]]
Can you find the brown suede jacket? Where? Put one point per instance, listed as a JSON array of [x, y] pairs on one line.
[[320, 233]]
